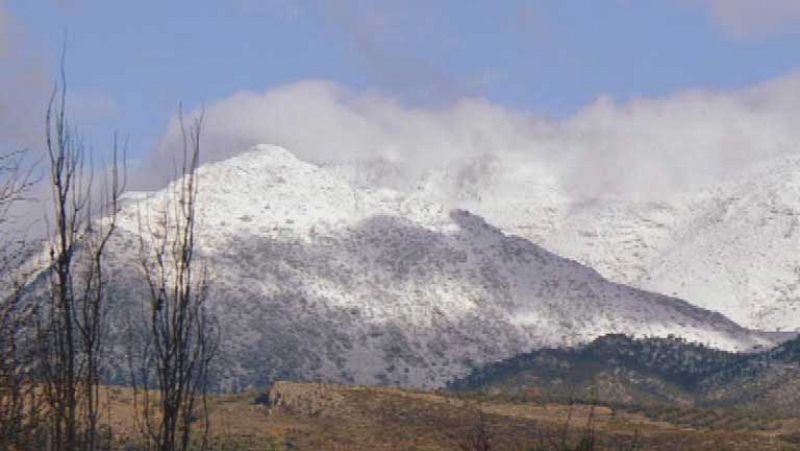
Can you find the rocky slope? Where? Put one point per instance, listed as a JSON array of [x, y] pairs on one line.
[[316, 278]]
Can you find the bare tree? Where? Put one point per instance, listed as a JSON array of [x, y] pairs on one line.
[[72, 325], [20, 407], [479, 437], [176, 350], [16, 179]]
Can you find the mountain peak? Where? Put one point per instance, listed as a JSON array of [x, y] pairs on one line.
[[261, 156], [274, 152], [315, 277]]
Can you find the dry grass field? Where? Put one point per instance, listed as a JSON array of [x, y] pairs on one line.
[[331, 417]]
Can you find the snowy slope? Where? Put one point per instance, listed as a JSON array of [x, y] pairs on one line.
[[732, 248], [314, 277], [742, 255]]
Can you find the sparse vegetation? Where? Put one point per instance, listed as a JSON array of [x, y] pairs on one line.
[[369, 418], [650, 375]]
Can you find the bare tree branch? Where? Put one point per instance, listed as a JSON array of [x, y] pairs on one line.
[[72, 326], [179, 345]]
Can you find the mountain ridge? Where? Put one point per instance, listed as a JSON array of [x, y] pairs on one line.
[[317, 279], [728, 246]]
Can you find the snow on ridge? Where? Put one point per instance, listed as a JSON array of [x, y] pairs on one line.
[[316, 278], [730, 247]]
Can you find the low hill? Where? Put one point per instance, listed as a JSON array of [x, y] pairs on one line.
[[620, 370]]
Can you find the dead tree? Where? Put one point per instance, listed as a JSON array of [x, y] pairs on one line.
[[176, 350], [72, 325], [16, 179], [479, 437], [20, 407]]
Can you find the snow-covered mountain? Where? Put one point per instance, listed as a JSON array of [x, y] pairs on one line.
[[315, 277], [741, 256], [732, 248]]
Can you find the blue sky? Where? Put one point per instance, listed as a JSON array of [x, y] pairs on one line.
[[130, 63]]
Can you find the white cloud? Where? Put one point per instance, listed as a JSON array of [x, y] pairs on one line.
[[26, 82], [754, 18], [644, 148]]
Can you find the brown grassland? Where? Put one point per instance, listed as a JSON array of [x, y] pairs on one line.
[[294, 416]]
